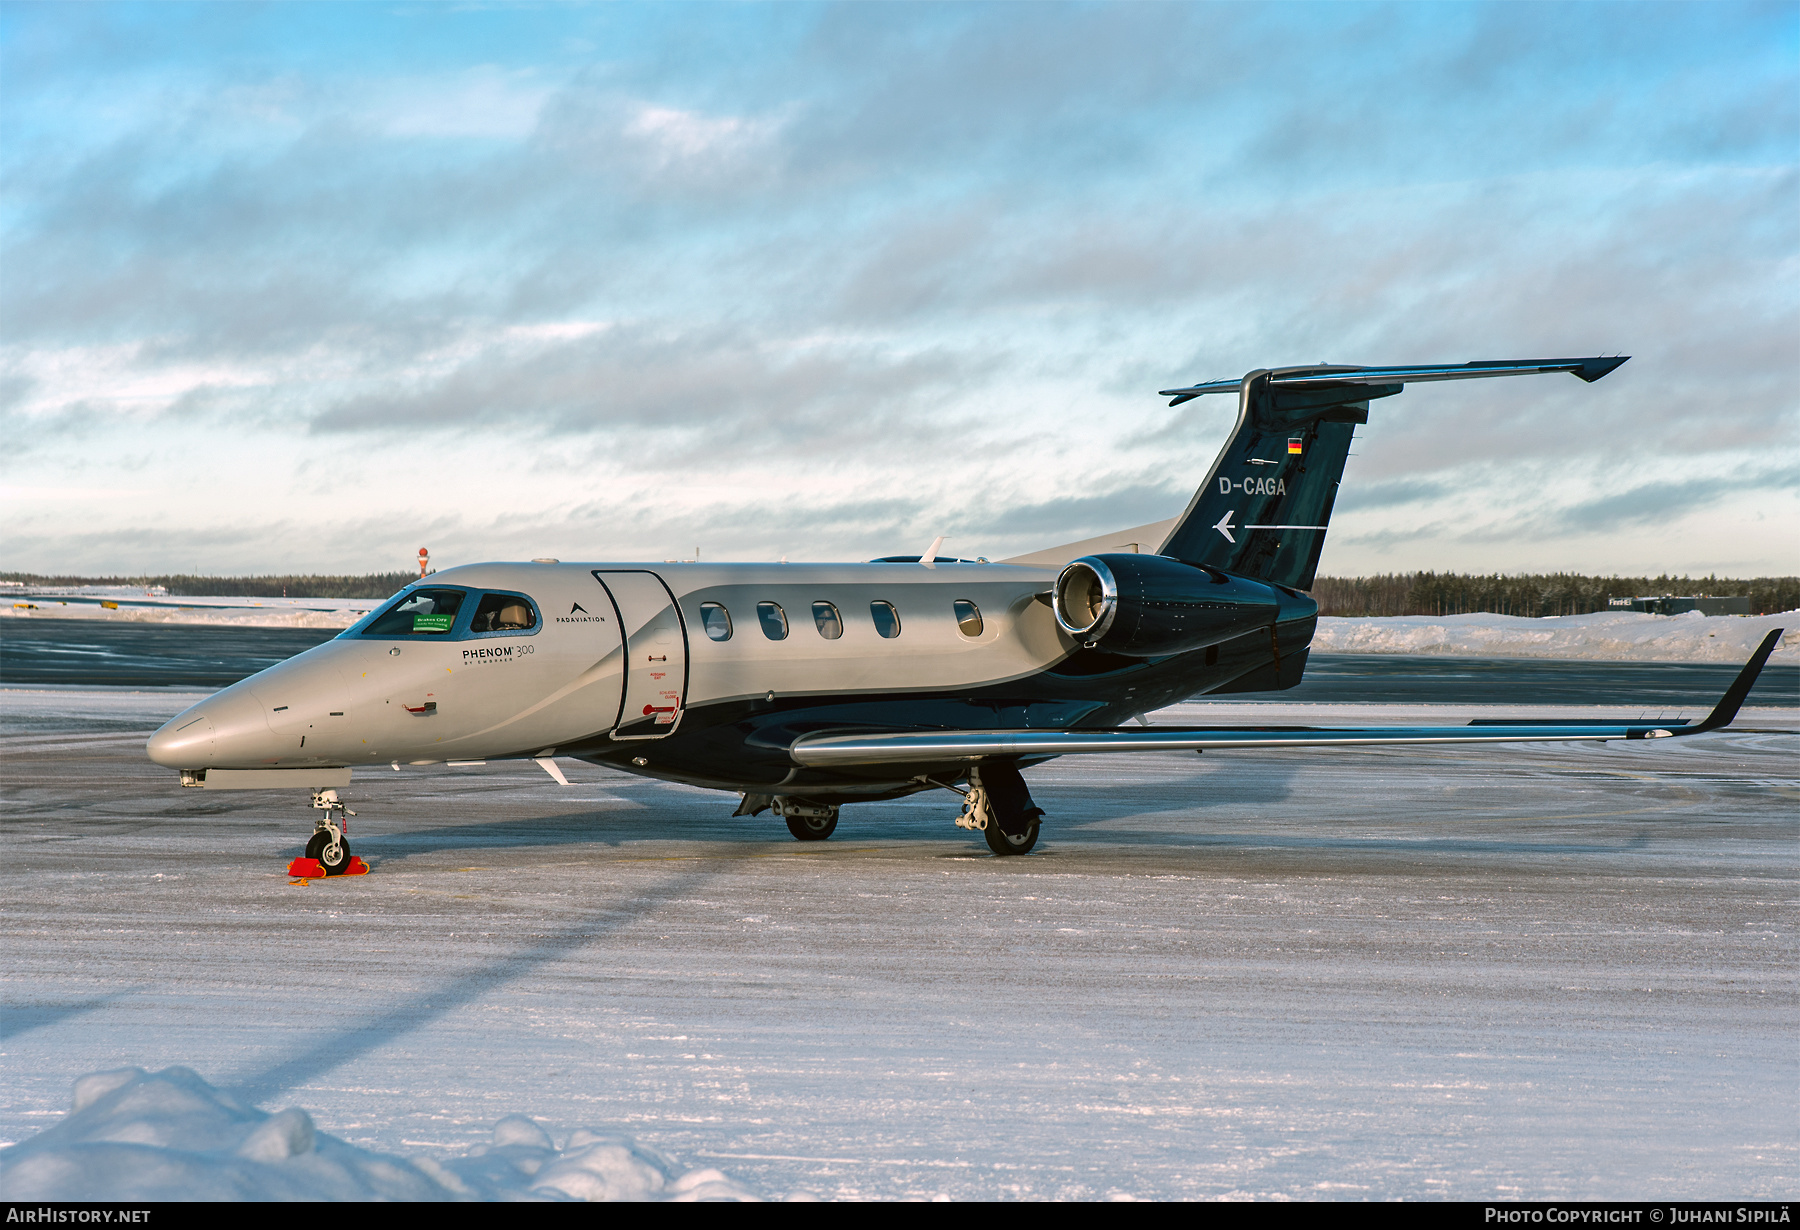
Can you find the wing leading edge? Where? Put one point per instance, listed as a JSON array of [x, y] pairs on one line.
[[825, 750]]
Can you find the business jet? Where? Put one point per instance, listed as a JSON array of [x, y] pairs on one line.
[[805, 687]]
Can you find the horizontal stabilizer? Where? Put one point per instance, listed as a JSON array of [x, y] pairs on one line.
[[1323, 377]]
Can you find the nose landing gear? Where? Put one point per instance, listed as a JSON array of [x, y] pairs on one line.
[[328, 850]]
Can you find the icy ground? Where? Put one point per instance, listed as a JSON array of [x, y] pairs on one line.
[[1540, 972], [1626, 636]]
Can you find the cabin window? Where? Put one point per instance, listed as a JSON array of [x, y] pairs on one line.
[[968, 617], [716, 620], [887, 619], [503, 613], [419, 612], [830, 624], [774, 620]]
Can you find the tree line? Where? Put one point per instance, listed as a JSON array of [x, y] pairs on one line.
[[1533, 595]]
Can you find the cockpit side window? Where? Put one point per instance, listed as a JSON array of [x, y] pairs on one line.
[[503, 613], [419, 612]]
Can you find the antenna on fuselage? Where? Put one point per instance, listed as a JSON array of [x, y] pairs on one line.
[[930, 556]]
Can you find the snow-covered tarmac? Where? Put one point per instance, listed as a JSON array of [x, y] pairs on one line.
[[1533, 972]]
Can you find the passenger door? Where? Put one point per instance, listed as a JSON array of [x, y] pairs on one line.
[[656, 665]]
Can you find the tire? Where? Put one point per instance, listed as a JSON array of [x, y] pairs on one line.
[[315, 848], [812, 828], [1011, 843]]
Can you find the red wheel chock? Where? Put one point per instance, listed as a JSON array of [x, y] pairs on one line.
[[313, 869]]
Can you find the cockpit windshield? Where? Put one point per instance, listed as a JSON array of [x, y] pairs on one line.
[[419, 612]]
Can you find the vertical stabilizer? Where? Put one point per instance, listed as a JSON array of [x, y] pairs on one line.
[[1263, 509]]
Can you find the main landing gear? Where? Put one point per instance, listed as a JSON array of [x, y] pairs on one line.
[[999, 807], [328, 850], [806, 821]]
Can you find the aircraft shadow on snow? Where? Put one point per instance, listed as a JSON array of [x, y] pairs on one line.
[[1080, 814], [336, 1048]]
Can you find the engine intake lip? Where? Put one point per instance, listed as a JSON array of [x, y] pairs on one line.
[[1086, 599]]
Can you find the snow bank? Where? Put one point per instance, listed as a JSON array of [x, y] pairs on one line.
[[1629, 636], [169, 1135]]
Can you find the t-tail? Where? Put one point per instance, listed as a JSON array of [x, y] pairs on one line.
[[1264, 508]]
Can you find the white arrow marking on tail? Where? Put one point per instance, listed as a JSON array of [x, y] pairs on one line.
[[1224, 526]]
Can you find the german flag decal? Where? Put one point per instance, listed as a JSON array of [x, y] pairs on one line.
[[1293, 446]]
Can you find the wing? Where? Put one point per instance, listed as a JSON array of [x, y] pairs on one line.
[[825, 750]]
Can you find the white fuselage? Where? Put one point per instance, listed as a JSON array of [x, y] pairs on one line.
[[622, 651]]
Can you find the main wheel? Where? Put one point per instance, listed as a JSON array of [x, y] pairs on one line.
[[1011, 843], [320, 843], [812, 828]]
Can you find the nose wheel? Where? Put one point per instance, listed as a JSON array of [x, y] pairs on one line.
[[328, 849]]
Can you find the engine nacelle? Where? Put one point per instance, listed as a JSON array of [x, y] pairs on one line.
[[1147, 606]]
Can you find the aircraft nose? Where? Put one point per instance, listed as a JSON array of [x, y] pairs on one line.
[[227, 728], [186, 741]]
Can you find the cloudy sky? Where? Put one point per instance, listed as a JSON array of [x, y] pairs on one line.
[[304, 288]]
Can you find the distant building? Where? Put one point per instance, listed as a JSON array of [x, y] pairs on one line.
[[1668, 605]]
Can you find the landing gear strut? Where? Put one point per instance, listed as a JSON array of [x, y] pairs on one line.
[[805, 820], [329, 843], [999, 807]]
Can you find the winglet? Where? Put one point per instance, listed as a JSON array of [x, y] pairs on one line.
[[1728, 705], [1592, 369]]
